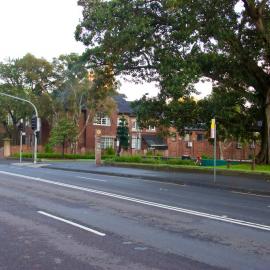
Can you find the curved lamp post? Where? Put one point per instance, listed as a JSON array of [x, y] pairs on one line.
[[36, 114]]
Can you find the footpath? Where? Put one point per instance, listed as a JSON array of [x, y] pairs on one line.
[[242, 183]]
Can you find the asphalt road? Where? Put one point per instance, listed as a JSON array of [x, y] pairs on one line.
[[66, 220]]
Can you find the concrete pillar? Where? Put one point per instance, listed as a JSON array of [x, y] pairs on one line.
[[98, 147], [7, 147]]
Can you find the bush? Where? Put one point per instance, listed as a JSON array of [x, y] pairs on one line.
[[131, 159], [109, 151], [155, 160], [204, 156], [48, 148]]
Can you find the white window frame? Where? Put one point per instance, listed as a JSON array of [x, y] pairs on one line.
[[135, 126], [102, 121], [136, 142], [107, 142]]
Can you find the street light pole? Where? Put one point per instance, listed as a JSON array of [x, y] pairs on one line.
[[36, 114]]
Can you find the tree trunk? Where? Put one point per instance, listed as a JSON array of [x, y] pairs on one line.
[[264, 155], [221, 156], [119, 149]]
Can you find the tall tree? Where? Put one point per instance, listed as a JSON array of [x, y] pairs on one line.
[[178, 42], [63, 133], [29, 78], [122, 135], [80, 89]]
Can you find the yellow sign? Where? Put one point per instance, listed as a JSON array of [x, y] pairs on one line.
[[213, 129], [213, 123]]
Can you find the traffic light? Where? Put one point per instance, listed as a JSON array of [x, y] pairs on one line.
[[34, 123]]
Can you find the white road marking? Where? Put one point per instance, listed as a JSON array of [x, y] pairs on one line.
[[143, 180], [93, 179], [250, 194], [72, 223], [139, 201], [30, 164]]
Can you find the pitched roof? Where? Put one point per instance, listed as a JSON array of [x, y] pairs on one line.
[[123, 105]]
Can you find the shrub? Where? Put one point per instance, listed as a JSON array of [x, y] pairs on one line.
[[109, 151], [131, 159], [48, 148], [204, 156]]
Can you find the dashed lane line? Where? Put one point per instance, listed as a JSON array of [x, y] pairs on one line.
[[72, 223]]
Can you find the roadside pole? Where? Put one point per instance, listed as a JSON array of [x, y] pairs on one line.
[[36, 114], [214, 136], [20, 146]]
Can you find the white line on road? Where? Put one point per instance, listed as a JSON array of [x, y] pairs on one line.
[[93, 179], [139, 201], [72, 223]]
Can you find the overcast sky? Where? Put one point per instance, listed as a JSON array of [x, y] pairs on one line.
[[45, 28]]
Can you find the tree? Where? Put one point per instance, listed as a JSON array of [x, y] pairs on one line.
[[232, 114], [29, 78], [178, 42], [77, 92], [122, 135], [63, 133]]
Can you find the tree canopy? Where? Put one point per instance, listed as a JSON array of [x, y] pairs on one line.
[[178, 42]]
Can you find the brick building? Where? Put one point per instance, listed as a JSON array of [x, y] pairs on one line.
[[140, 139], [194, 143]]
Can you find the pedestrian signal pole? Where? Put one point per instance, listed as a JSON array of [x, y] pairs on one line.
[[214, 136]]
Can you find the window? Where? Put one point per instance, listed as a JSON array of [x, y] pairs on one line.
[[135, 126], [200, 137], [151, 128], [102, 121], [136, 143], [106, 142]]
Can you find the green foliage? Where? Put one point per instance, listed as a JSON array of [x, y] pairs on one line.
[[109, 151], [48, 148], [62, 133], [204, 156], [149, 160], [226, 42], [123, 134], [30, 78]]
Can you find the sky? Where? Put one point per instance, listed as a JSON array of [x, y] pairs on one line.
[[45, 28]]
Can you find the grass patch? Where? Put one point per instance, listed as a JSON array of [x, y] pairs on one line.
[[59, 156], [247, 168]]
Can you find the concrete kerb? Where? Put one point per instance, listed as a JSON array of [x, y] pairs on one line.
[[258, 175], [162, 180]]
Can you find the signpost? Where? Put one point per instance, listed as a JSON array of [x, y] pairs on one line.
[[214, 136]]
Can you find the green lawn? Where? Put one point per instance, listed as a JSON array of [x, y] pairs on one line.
[[247, 168]]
